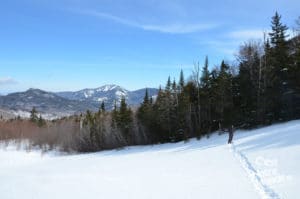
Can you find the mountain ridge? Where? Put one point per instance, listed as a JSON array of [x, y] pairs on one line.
[[108, 94], [71, 102]]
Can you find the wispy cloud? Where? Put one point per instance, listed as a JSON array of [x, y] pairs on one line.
[[247, 34], [4, 81], [256, 33], [230, 41], [173, 28], [179, 28]]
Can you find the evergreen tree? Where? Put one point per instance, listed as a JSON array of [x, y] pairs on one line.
[[205, 77], [146, 97], [214, 96], [174, 86], [181, 81], [183, 119], [41, 122], [102, 108], [145, 117], [278, 69], [168, 85], [294, 74], [114, 116], [33, 115], [205, 98], [90, 123], [197, 104], [163, 113], [100, 119], [278, 34], [225, 98], [249, 78], [93, 123], [124, 119]]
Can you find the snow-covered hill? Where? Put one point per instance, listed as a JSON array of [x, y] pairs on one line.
[[261, 163], [48, 104], [44, 102]]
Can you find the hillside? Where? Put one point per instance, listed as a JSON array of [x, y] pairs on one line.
[[45, 102], [262, 163]]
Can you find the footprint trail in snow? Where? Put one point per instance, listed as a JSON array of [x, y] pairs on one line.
[[264, 191]]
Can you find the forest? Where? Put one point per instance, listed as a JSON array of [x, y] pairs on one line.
[[261, 87]]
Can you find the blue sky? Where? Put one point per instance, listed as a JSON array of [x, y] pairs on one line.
[[61, 45]]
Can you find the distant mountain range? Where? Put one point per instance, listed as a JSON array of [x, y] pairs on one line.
[[59, 104], [109, 94]]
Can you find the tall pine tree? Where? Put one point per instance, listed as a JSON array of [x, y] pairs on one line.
[[277, 72]]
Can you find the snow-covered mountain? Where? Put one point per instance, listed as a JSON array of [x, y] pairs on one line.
[[108, 94], [67, 103], [100, 94], [44, 102]]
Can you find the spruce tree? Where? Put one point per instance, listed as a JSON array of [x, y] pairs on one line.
[[181, 81], [174, 86], [249, 87], [205, 98], [168, 85], [33, 115], [294, 73], [197, 104], [225, 100], [278, 69], [205, 77], [102, 108], [146, 97], [124, 119], [146, 117], [163, 114], [114, 116], [41, 122]]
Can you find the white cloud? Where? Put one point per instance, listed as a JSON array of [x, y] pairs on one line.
[[256, 34], [111, 17], [174, 28], [178, 28], [7, 81], [225, 47], [247, 34]]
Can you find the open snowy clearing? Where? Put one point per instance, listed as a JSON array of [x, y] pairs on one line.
[[261, 163]]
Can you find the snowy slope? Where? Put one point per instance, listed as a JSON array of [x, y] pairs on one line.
[[262, 163], [272, 157]]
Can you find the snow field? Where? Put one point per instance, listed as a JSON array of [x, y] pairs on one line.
[[261, 163]]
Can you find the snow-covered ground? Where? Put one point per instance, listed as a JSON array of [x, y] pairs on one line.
[[261, 163]]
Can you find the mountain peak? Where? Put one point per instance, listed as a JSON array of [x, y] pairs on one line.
[[109, 87], [35, 90]]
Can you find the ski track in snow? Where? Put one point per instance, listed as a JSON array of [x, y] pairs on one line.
[[264, 191]]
